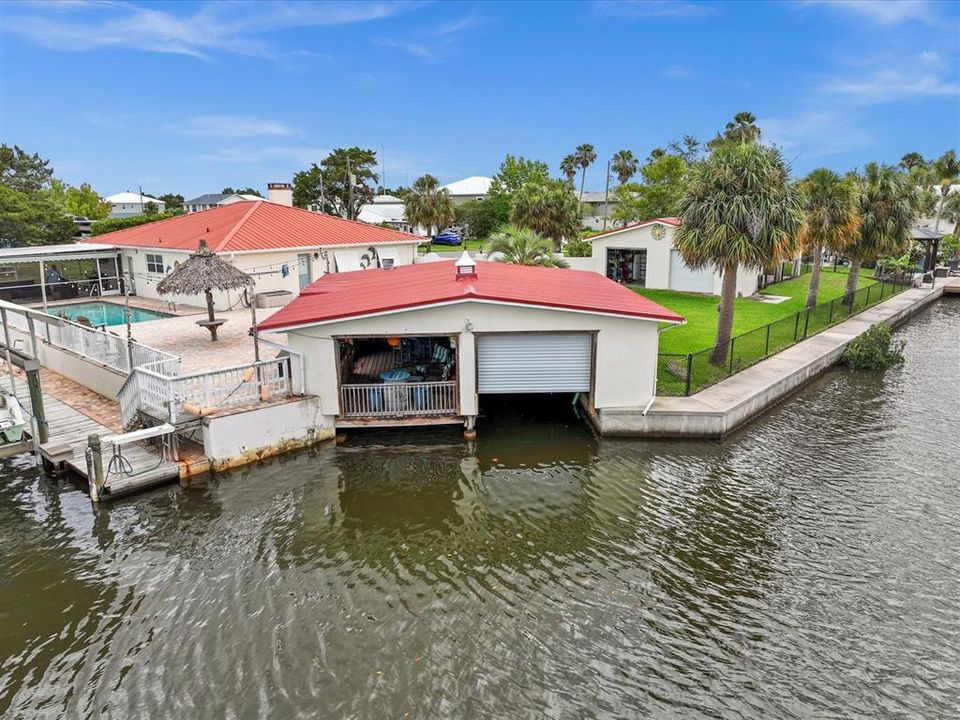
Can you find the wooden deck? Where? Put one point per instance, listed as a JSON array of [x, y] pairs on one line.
[[951, 286], [70, 427]]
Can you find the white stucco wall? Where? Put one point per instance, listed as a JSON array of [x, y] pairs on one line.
[[625, 363], [658, 258], [265, 266]]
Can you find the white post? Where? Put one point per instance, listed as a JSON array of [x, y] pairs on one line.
[[43, 285]]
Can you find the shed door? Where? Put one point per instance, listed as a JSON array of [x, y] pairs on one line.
[[687, 280], [531, 363]]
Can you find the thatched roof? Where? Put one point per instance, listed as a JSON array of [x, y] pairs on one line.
[[201, 272]]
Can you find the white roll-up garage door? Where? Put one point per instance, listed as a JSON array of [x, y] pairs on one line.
[[532, 363], [687, 280]]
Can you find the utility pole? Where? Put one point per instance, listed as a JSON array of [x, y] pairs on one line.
[[606, 197], [349, 190], [322, 200], [383, 171]]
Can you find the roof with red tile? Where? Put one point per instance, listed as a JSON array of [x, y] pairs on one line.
[[674, 222], [252, 227], [369, 292]]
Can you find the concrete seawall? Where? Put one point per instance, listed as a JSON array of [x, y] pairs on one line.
[[723, 407]]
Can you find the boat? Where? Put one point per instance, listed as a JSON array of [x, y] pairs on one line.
[[12, 420]]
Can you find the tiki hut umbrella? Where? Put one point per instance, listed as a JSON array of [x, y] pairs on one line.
[[204, 272]]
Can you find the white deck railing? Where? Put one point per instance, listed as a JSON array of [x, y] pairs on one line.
[[174, 398], [388, 400]]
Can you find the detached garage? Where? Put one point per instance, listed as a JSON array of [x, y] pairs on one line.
[[421, 344]]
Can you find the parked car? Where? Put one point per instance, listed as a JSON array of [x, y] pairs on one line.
[[448, 237]]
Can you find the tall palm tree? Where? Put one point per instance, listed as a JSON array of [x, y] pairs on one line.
[[743, 129], [739, 208], [523, 246], [912, 160], [429, 205], [888, 207], [584, 155], [946, 173], [568, 166], [549, 208], [831, 219], [624, 164]]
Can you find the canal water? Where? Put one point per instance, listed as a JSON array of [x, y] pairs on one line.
[[808, 567]]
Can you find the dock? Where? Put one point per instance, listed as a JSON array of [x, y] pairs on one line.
[[140, 466], [951, 286]]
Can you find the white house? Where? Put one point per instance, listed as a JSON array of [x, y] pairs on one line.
[[283, 248], [128, 204], [389, 211], [644, 255], [475, 187], [424, 344]]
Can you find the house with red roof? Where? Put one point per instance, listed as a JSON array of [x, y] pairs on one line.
[[644, 255], [284, 248], [426, 343]]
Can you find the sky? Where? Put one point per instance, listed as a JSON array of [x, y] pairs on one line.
[[192, 97]]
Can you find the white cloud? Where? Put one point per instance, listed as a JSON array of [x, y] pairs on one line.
[[415, 49], [213, 28], [925, 75], [302, 155], [884, 12], [230, 126], [678, 72], [457, 26], [652, 8], [816, 133]]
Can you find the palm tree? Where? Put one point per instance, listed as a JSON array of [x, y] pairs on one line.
[[887, 204], [549, 208], [523, 246], [568, 166], [624, 164], [946, 173], [831, 220], [739, 208], [743, 129], [912, 160], [429, 205], [584, 155]]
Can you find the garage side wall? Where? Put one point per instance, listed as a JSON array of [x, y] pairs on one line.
[[625, 361]]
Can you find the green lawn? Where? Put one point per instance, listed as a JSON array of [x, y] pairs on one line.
[[471, 245], [701, 310]]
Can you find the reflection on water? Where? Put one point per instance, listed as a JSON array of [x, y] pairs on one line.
[[806, 567]]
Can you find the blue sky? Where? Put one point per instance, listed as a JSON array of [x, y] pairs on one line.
[[190, 97]]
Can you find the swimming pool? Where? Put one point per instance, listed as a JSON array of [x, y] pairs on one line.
[[104, 313]]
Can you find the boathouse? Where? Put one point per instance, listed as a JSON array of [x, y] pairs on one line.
[[424, 344]]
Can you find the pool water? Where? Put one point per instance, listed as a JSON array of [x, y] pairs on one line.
[[104, 313]]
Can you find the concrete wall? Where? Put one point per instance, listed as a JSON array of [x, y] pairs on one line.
[[247, 435], [268, 267], [626, 352]]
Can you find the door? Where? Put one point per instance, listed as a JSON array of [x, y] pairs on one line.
[[687, 280], [304, 270], [627, 267], [534, 363]]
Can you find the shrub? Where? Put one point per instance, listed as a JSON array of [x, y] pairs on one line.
[[109, 225], [873, 350], [578, 248]]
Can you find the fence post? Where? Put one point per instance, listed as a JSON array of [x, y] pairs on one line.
[[766, 350], [830, 319], [171, 401], [686, 391], [731, 354], [806, 323], [796, 327], [867, 303]]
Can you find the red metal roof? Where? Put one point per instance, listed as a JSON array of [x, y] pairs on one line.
[[366, 292], [675, 222], [252, 226]]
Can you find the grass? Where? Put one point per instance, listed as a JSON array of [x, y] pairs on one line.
[[701, 310], [471, 245]]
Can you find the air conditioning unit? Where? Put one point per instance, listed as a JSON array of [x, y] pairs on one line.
[[386, 263]]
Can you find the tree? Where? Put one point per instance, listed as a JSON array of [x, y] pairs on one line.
[[549, 208], [887, 204], [739, 208], [656, 196], [912, 160], [151, 208], [31, 201], [831, 219], [173, 201], [429, 205], [946, 173], [326, 185], [479, 219], [743, 129], [523, 246], [238, 191], [624, 165], [101, 227], [515, 172], [84, 201], [688, 148], [951, 211], [568, 166], [584, 155]]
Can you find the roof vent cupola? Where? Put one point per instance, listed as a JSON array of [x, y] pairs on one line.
[[466, 266]]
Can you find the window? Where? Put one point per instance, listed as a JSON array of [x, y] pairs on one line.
[[155, 264]]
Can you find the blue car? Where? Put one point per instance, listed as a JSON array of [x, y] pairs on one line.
[[447, 237]]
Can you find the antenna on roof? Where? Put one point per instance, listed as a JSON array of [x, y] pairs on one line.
[[383, 172]]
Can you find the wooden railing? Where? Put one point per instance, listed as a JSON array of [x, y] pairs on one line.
[[174, 398], [383, 400]]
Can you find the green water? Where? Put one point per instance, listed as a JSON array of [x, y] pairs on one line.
[[807, 567]]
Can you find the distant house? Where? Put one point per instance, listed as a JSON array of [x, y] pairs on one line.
[[388, 211], [283, 248], [471, 188], [236, 197], [128, 204], [597, 207], [280, 193], [203, 202]]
